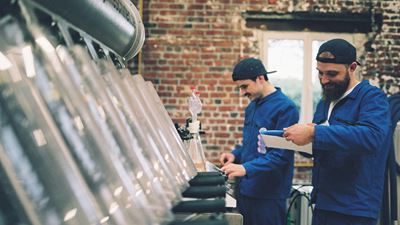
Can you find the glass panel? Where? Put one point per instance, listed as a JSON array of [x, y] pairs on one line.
[[287, 56], [316, 85]]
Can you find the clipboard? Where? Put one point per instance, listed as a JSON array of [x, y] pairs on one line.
[[275, 139]]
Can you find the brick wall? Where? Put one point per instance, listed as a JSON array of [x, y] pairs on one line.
[[383, 55], [197, 42]]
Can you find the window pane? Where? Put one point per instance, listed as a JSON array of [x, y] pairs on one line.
[[287, 56], [316, 85]]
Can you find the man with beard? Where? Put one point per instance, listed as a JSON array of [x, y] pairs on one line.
[[266, 173], [349, 133]]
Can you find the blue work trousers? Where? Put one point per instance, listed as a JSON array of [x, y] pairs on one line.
[[324, 217], [258, 211]]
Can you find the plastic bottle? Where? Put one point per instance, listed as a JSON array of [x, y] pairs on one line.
[[195, 104], [195, 148]]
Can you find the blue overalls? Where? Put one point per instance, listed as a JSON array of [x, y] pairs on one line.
[[268, 180], [350, 157]]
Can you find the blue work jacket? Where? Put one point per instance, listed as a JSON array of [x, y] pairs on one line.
[[350, 154], [269, 175]]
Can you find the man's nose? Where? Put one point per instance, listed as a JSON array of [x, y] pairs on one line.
[[324, 79]]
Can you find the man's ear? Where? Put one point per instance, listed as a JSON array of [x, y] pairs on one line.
[[353, 66]]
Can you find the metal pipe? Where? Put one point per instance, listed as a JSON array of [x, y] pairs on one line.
[[115, 24], [140, 59]]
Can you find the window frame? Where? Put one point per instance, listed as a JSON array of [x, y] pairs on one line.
[[306, 104]]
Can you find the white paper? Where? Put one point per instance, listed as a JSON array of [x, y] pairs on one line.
[[230, 202], [280, 142]]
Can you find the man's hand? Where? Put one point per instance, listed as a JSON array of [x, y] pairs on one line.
[[234, 170], [300, 134], [226, 158]]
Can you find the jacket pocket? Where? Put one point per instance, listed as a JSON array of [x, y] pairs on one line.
[[261, 122]]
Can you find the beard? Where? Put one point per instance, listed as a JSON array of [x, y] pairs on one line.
[[253, 97], [332, 91]]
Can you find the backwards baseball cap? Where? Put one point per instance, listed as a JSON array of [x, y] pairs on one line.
[[337, 51], [249, 69]]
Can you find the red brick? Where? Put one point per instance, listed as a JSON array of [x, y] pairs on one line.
[[222, 135]]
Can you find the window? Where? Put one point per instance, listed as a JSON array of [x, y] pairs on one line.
[[293, 54]]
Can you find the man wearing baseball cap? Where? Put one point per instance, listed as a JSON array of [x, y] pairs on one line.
[[266, 173], [350, 134]]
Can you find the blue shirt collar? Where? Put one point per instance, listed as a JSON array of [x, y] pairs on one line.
[[356, 90], [278, 90]]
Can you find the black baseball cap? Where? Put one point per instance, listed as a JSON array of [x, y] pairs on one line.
[[337, 51], [249, 68]]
